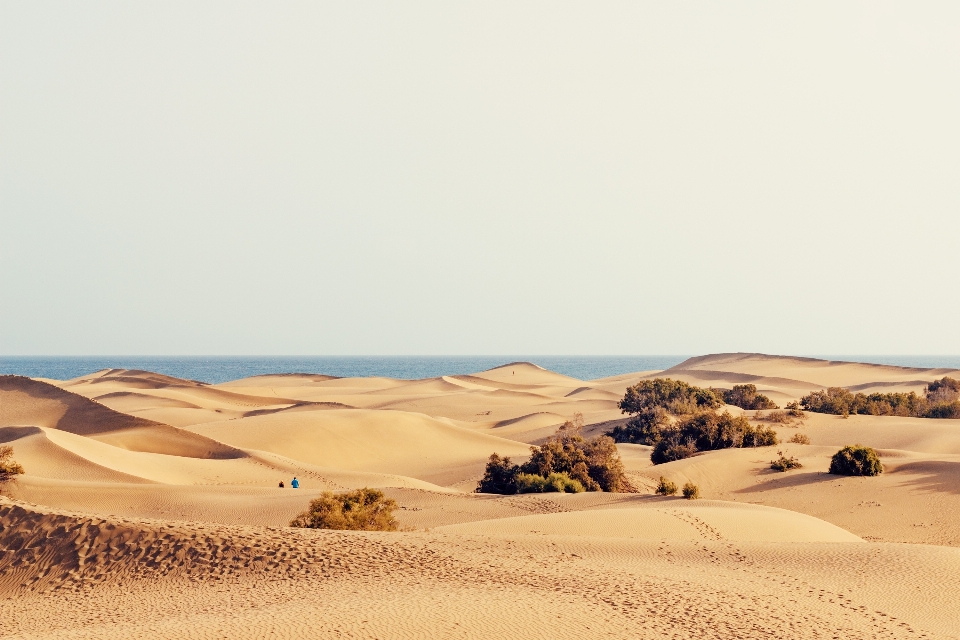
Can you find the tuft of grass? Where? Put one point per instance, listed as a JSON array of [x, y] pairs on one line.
[[691, 491], [799, 438], [361, 510], [666, 487], [784, 463], [856, 460]]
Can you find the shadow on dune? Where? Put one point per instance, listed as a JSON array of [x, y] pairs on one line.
[[779, 480], [11, 434], [934, 476]]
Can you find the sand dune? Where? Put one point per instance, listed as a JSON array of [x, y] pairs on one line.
[[162, 516], [195, 580], [26, 402], [673, 519], [396, 442]]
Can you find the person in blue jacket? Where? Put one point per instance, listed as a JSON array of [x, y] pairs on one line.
[[295, 483]]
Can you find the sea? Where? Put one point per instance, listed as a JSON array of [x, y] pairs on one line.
[[215, 369]]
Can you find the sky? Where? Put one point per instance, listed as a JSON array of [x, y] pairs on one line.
[[479, 178]]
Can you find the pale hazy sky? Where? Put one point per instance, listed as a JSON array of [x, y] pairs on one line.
[[479, 178]]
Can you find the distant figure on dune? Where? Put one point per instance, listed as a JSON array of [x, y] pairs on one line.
[[281, 484], [295, 483]]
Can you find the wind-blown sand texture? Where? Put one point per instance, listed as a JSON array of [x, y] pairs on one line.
[[150, 509]]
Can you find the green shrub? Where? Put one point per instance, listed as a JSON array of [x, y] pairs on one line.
[[500, 476], [8, 466], [799, 438], [594, 465], [360, 510], [644, 428], [783, 463], [760, 436], [856, 460], [745, 396], [666, 488], [941, 400], [944, 410], [708, 431], [674, 396], [555, 482], [691, 491], [673, 446]]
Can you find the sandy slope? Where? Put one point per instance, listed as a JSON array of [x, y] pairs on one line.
[[162, 516]]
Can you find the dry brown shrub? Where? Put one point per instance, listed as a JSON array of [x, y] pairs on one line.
[[361, 510]]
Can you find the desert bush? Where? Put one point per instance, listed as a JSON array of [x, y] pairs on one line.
[[799, 438], [672, 446], [8, 466], [707, 431], [593, 464], [760, 436], [360, 510], [941, 400], [555, 482], [644, 428], [856, 460], [943, 390], [944, 410], [500, 476], [666, 488], [691, 491], [783, 463], [674, 396], [745, 396]]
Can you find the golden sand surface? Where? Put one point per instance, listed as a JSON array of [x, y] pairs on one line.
[[150, 509]]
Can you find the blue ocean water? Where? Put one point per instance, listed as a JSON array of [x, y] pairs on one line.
[[214, 369]]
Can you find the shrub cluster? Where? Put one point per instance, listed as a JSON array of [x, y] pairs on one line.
[[673, 396], [708, 431], [745, 396], [856, 460], [360, 510], [799, 438], [8, 466], [940, 400], [566, 462], [697, 427]]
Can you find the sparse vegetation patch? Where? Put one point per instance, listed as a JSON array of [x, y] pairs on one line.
[[799, 438], [691, 491], [783, 463]]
